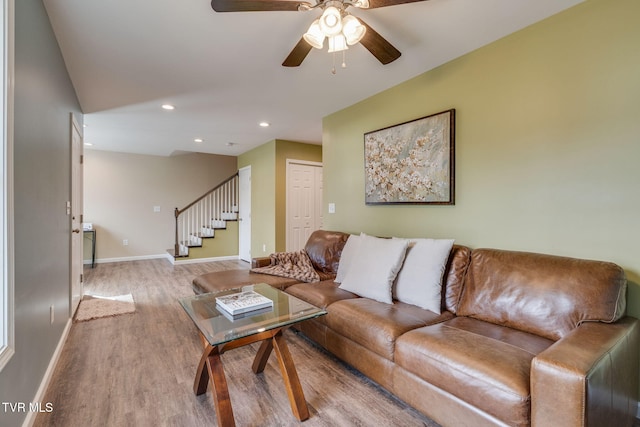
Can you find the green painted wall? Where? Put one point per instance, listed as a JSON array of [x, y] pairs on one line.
[[268, 190], [294, 151], [263, 202], [547, 143]]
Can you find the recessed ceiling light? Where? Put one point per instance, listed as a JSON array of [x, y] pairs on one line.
[[230, 144], [265, 124], [88, 144], [168, 107], [198, 140]]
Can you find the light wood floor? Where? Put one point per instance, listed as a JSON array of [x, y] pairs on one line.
[[138, 369]]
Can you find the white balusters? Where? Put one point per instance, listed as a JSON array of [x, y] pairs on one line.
[[200, 218]]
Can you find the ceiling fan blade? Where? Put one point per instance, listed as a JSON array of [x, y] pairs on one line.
[[254, 5], [373, 4], [297, 55], [379, 46]]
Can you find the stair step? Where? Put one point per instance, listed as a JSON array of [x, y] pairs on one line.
[[204, 236], [207, 232], [218, 224], [189, 244], [172, 252], [229, 216]]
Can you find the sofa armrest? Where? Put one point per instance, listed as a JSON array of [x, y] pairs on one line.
[[260, 262], [589, 377]]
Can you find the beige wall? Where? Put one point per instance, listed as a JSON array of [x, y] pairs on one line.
[[120, 191], [268, 190], [547, 143]]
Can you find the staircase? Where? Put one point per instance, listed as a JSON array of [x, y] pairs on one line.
[[208, 214]]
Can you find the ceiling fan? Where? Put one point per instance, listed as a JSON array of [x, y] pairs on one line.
[[336, 24]]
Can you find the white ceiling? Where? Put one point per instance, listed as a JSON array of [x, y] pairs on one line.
[[222, 70]]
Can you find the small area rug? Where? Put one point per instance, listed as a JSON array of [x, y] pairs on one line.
[[95, 306]]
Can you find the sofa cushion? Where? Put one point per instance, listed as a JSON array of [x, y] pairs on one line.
[[375, 267], [229, 279], [375, 325], [324, 248], [481, 363], [419, 281], [542, 294], [320, 294]]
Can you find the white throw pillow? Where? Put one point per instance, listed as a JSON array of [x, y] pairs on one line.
[[346, 258], [374, 267], [419, 282]]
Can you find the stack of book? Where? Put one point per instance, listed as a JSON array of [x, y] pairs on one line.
[[243, 304]]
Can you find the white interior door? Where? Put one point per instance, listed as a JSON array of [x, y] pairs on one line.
[[76, 258], [244, 214], [304, 202], [319, 215]]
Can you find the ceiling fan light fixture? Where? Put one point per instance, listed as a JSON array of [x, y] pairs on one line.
[[331, 21], [362, 4], [353, 30], [337, 43], [314, 35]]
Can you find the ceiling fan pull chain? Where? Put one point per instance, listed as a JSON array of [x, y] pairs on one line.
[[333, 70], [344, 59]]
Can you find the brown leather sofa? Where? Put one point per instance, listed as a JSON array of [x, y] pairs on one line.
[[523, 338]]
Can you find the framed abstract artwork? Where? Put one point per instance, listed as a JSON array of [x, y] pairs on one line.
[[412, 162]]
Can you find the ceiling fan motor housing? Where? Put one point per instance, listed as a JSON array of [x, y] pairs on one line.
[[340, 27]]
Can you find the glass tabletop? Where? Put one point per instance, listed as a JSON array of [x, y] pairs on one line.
[[219, 327]]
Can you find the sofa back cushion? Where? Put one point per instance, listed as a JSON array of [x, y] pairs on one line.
[[349, 253], [374, 268], [453, 278], [542, 294], [419, 281], [324, 249]]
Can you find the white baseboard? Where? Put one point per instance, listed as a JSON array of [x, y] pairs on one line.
[[165, 255], [44, 384], [198, 260], [131, 258]]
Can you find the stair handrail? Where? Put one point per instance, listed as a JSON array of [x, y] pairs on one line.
[[177, 212]]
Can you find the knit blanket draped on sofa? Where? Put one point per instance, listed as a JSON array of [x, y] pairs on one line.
[[294, 265]]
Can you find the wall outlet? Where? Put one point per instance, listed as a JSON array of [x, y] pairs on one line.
[[156, 209], [51, 314], [125, 242], [332, 208], [264, 247]]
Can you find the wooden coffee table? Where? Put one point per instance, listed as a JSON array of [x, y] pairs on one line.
[[221, 333]]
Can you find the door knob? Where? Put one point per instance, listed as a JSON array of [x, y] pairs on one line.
[[76, 230]]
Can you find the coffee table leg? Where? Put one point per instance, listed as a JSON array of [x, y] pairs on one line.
[[220, 391], [290, 376], [202, 373], [262, 356], [210, 368]]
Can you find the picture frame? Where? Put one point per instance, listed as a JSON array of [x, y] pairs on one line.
[[412, 162]]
